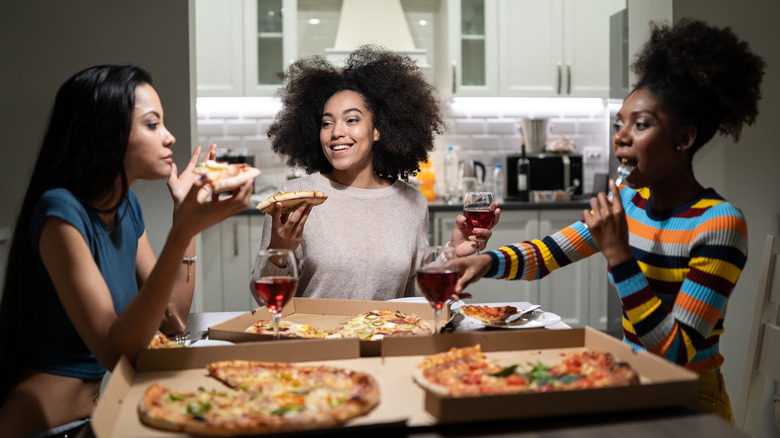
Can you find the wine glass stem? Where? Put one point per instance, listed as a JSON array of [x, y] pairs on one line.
[[276, 325], [436, 314]]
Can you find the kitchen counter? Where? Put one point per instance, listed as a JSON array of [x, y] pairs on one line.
[[441, 206]]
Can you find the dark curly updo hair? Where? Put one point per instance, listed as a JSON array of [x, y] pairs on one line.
[[703, 76], [404, 105]]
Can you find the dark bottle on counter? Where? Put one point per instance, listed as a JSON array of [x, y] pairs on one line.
[[523, 170]]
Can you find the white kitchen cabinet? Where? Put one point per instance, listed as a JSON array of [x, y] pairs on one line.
[[226, 264], [241, 46], [530, 48], [578, 292], [555, 47], [472, 44]]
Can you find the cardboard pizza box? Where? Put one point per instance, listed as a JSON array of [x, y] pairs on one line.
[[662, 383], [116, 415], [321, 313]]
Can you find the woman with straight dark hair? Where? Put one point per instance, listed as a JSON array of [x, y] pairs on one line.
[[83, 286]]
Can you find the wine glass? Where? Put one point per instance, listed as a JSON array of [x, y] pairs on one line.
[[274, 280], [476, 208], [435, 278]]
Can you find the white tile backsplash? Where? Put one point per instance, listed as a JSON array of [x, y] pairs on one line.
[[485, 129]]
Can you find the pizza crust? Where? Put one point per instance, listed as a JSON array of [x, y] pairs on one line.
[[291, 200]]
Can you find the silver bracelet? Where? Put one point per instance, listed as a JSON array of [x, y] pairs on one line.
[[189, 261]]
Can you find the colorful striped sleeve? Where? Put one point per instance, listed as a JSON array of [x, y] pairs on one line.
[[534, 259]]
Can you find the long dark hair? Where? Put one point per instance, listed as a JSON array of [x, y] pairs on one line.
[[83, 150]]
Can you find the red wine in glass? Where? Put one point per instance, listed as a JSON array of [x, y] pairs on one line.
[[478, 217], [437, 284], [275, 291], [273, 281]]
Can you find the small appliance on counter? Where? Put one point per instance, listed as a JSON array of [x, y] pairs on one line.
[[543, 177]]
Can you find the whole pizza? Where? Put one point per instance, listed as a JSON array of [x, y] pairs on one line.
[[463, 372], [369, 326], [262, 397]]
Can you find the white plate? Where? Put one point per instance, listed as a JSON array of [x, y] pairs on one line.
[[208, 343], [536, 319]]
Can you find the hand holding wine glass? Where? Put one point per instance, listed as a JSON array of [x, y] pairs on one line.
[[476, 208], [274, 280], [435, 278]]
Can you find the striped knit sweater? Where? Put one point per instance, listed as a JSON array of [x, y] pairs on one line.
[[674, 290]]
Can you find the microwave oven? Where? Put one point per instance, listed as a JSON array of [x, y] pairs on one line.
[[546, 171]]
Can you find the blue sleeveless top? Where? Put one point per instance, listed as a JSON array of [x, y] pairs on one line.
[[57, 347]]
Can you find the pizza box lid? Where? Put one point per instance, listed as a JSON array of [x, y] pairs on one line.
[[321, 313], [662, 383]]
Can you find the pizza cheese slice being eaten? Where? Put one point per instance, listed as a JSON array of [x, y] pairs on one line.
[[226, 176]]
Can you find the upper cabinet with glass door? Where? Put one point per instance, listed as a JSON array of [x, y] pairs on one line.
[[473, 47], [242, 46]]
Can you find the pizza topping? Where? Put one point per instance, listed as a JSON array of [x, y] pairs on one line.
[[262, 397], [372, 325], [467, 372]]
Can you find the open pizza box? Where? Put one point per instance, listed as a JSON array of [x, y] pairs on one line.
[[406, 405], [326, 314], [662, 383], [184, 368]]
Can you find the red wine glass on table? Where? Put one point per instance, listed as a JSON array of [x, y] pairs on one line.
[[274, 281], [476, 208], [435, 278]]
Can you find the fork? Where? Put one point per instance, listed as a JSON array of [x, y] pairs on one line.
[[182, 338], [622, 173]]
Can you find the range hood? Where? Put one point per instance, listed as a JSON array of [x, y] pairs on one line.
[[380, 22]]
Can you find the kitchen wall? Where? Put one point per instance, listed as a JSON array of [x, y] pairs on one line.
[[42, 43], [485, 129]]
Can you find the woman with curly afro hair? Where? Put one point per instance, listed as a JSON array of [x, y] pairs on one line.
[[675, 249], [359, 132]]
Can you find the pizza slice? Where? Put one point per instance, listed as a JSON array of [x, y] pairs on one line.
[[226, 176], [488, 314], [377, 324], [161, 341], [291, 200], [289, 329]]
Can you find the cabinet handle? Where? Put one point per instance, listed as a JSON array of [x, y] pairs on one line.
[[454, 77], [560, 77], [568, 78], [235, 240]]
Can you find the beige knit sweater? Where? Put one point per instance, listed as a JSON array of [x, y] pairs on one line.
[[359, 244]]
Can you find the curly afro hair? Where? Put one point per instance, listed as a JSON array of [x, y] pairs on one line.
[[405, 110], [703, 76]]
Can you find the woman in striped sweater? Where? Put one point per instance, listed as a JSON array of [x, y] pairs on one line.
[[675, 249]]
